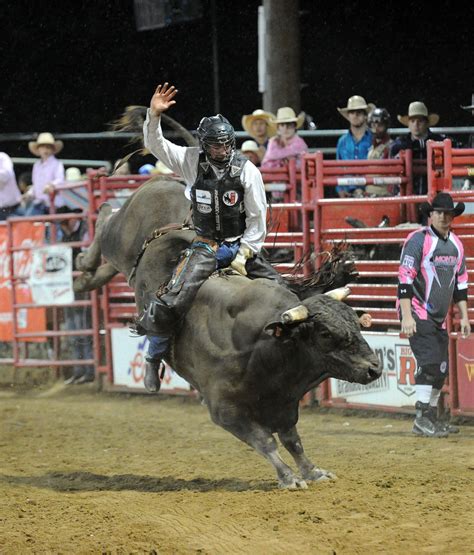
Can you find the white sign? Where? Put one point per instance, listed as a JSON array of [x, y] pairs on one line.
[[396, 386], [51, 275], [128, 357]]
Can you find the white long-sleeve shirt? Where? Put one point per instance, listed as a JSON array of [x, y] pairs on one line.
[[184, 162]]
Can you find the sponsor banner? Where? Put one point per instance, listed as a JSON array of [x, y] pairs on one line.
[[465, 372], [51, 275], [128, 358], [29, 320], [396, 386]]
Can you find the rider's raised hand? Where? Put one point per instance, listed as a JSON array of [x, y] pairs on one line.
[[162, 99]]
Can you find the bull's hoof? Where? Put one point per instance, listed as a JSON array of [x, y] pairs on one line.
[[319, 475], [293, 484], [82, 282]]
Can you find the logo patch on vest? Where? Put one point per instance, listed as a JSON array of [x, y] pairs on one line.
[[230, 198], [204, 208], [203, 196]]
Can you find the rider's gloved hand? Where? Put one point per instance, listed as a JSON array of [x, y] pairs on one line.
[[238, 264]]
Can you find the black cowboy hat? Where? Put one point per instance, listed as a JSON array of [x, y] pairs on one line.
[[443, 203]]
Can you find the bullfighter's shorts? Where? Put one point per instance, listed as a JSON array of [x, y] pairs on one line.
[[430, 348]]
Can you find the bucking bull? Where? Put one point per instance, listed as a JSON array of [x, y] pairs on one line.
[[252, 348]]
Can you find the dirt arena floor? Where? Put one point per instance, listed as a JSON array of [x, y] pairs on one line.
[[88, 472]]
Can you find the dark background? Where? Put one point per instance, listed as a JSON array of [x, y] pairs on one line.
[[70, 67]]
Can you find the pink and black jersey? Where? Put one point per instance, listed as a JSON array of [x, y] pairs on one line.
[[432, 273]]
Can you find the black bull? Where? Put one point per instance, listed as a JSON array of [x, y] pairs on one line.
[[250, 358]]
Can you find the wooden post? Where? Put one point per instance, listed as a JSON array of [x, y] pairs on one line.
[[282, 55]]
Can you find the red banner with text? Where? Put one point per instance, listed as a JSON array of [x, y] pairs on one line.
[[29, 320]]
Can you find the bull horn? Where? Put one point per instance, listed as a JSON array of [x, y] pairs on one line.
[[296, 314], [339, 294]]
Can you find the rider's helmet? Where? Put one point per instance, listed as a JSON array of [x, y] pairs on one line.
[[379, 115], [217, 131]]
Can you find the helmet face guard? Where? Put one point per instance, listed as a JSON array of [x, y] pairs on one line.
[[217, 139]]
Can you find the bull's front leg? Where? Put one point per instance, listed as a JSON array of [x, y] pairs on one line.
[[261, 440], [89, 260], [292, 443]]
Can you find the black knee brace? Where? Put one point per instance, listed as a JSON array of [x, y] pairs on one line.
[[432, 374]]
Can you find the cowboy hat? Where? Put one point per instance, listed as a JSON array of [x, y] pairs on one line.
[[73, 174], [356, 103], [267, 117], [45, 139], [161, 168], [442, 203], [287, 115], [251, 146], [417, 109]]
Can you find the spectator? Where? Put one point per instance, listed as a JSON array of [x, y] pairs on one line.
[[355, 144], [469, 182], [77, 317], [48, 172], [432, 273], [419, 122], [251, 150], [10, 195], [287, 144], [379, 122], [24, 181], [259, 125]]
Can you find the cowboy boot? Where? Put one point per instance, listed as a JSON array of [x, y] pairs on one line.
[[152, 381]]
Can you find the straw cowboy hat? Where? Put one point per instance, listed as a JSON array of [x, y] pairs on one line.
[[418, 109], [287, 115], [442, 202], [251, 146], [45, 139], [356, 102], [267, 117], [73, 174]]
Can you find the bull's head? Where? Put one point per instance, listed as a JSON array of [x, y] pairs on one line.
[[329, 332]]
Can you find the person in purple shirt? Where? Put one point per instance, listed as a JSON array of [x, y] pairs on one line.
[[355, 144], [48, 172], [10, 195], [287, 144]]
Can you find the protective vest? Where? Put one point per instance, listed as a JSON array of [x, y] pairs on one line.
[[218, 204]]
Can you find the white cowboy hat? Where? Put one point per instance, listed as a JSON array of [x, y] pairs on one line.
[[418, 109], [356, 102], [161, 169], [45, 139], [73, 174], [287, 115], [267, 117], [251, 146]]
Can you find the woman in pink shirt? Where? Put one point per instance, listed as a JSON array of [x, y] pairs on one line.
[[286, 144], [48, 172]]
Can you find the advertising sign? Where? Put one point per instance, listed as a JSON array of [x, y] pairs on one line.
[[396, 386], [128, 357], [30, 320], [465, 372], [51, 275]]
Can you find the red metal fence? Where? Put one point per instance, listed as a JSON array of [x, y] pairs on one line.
[[304, 220]]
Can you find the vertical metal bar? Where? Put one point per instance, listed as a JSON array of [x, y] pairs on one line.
[[215, 57], [11, 266]]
